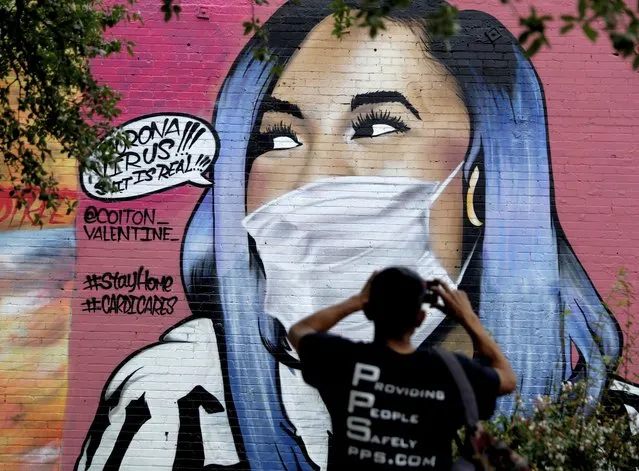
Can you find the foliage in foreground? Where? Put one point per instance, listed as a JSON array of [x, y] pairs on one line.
[[571, 432]]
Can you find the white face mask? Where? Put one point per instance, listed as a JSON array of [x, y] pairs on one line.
[[321, 242]]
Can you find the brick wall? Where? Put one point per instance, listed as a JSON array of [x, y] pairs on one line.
[[137, 332]]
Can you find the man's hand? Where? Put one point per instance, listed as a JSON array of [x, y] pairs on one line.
[[455, 304], [362, 298]]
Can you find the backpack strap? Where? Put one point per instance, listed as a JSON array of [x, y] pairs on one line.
[[468, 399]]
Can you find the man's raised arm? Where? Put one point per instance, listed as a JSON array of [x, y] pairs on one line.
[[457, 305]]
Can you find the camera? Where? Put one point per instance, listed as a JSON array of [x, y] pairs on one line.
[[430, 297]]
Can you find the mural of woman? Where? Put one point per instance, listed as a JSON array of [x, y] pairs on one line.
[[361, 154]]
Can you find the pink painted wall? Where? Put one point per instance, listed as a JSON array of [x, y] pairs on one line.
[[592, 107]]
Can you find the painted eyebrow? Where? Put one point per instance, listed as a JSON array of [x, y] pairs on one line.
[[372, 98], [275, 105]]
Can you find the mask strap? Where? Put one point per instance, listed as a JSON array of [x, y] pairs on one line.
[[445, 183], [462, 272]]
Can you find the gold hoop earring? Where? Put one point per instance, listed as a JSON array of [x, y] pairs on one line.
[[470, 196]]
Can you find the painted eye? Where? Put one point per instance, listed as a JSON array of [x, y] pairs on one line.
[[279, 137], [376, 123], [285, 142], [379, 129]]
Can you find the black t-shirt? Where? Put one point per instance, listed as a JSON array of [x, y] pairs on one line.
[[390, 410]]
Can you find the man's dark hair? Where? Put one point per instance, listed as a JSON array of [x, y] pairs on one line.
[[395, 301]]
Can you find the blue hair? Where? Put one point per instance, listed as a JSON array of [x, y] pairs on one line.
[[530, 290], [534, 296]]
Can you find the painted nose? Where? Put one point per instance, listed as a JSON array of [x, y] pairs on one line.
[[347, 159], [333, 161]]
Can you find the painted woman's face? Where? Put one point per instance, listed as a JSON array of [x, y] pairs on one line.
[[366, 107]]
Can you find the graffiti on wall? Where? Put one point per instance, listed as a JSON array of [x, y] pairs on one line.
[[36, 282], [435, 162]]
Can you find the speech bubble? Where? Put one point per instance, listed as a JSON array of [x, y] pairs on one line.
[[165, 150]]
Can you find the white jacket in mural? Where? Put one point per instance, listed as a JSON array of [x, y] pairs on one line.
[[164, 409], [138, 424]]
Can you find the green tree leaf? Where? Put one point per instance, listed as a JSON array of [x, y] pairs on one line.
[[581, 8], [589, 32], [169, 9]]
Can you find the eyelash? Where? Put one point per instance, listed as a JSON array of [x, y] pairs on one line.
[[280, 129], [379, 117], [360, 123]]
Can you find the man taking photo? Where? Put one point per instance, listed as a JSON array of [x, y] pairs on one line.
[[391, 406]]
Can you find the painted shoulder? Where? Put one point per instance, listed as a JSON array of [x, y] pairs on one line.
[[187, 352]]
